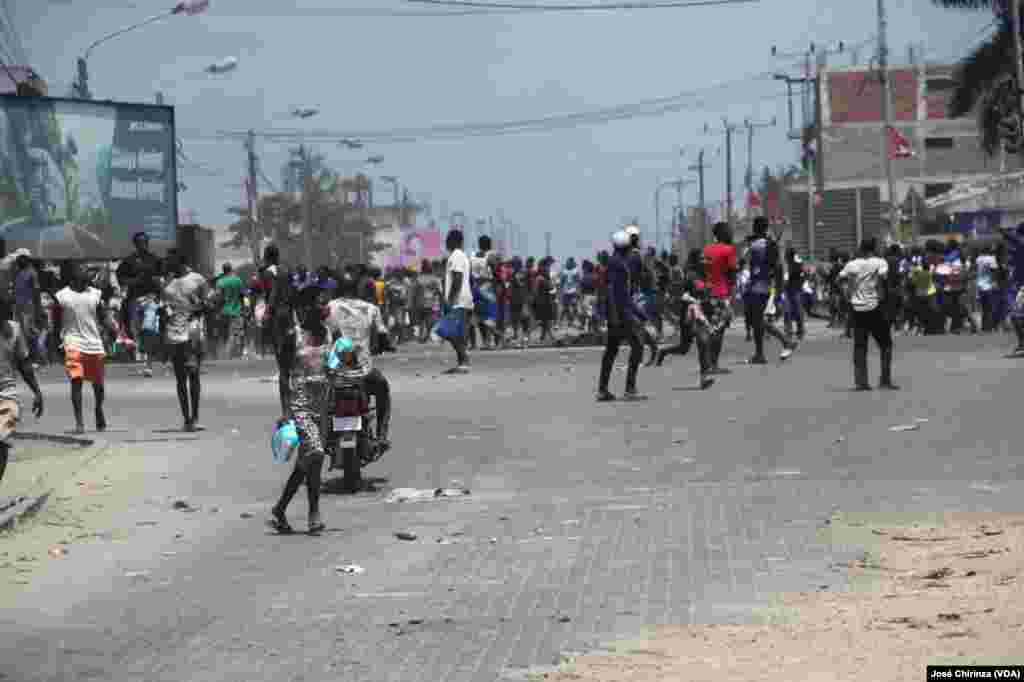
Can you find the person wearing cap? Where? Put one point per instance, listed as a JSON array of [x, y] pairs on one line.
[[621, 322], [140, 275]]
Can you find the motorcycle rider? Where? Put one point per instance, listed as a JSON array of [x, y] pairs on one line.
[[362, 322]]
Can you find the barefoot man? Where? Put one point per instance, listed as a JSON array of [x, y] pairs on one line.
[[81, 314]]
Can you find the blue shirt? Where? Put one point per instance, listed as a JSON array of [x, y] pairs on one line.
[[618, 285], [761, 269]]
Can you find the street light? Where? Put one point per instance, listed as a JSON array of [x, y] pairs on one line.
[[186, 7], [678, 184], [223, 66]]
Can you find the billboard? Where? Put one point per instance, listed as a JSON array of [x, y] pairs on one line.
[[79, 178], [856, 96]]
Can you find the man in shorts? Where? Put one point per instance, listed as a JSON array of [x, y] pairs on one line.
[[82, 317]]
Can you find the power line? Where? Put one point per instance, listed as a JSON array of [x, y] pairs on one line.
[[653, 107], [602, 7]]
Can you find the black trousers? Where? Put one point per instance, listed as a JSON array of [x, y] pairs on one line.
[[874, 324], [616, 335]]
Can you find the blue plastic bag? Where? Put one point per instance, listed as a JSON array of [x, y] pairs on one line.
[[284, 442], [341, 346], [452, 325]]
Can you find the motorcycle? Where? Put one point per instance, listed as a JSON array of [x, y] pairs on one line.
[[351, 442]]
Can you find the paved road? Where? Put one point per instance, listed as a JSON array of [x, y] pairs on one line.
[[585, 522]]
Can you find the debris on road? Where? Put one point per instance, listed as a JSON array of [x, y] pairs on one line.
[[182, 505], [905, 427], [245, 515], [350, 569], [423, 494], [146, 523], [137, 574], [405, 535]]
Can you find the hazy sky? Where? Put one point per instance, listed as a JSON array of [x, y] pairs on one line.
[[379, 73]]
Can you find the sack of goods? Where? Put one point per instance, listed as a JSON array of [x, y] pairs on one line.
[[284, 442]]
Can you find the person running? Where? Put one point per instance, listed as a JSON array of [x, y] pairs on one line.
[[307, 395], [570, 288], [621, 321], [794, 291], [140, 274], [865, 279], [696, 316], [765, 276], [83, 315], [458, 297], [481, 286], [641, 293], [985, 267], [14, 359], [185, 300], [720, 268]]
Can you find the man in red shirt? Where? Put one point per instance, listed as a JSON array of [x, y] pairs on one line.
[[720, 268]]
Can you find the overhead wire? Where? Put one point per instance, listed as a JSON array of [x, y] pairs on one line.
[[578, 7]]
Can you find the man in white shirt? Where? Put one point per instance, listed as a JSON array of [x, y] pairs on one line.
[[458, 296], [865, 278], [83, 316]]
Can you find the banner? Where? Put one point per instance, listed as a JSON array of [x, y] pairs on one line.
[[415, 244], [79, 178]]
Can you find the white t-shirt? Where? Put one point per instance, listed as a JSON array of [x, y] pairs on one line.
[[458, 262], [80, 321], [480, 268], [986, 267], [864, 276]]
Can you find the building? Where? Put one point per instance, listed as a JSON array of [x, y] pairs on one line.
[[855, 201]]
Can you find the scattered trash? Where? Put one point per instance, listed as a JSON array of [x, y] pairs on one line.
[[164, 477], [423, 494], [949, 616], [991, 531], [504, 518], [350, 569], [564, 619], [970, 574], [245, 515], [147, 523], [938, 574], [415, 621], [571, 522], [979, 554], [920, 420], [839, 440], [168, 554], [214, 510], [182, 505], [137, 574], [57, 552], [467, 436], [405, 535], [905, 427], [178, 536], [493, 541]]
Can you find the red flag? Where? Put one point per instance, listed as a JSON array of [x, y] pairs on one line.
[[899, 146]]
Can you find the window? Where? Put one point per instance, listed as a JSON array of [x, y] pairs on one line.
[[938, 143]]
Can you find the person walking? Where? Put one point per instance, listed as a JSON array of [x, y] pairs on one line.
[[185, 300], [985, 267], [458, 297], [28, 304], [278, 319], [865, 278], [83, 316], [229, 288], [765, 276], [140, 274], [1014, 240], [14, 359], [307, 395], [621, 322]]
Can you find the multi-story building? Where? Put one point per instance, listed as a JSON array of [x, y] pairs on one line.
[[855, 200]]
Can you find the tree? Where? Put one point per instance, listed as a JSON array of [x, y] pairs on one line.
[[985, 78]]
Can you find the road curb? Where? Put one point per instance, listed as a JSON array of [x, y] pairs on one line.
[[22, 509], [53, 438]]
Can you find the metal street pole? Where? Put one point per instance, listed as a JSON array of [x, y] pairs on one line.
[[251, 195], [883, 71]]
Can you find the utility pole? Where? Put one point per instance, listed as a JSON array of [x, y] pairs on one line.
[[251, 196], [1018, 56], [728, 129], [751, 127], [883, 73], [547, 243], [813, 91], [160, 98]]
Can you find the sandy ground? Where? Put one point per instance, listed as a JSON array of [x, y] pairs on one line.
[[949, 593]]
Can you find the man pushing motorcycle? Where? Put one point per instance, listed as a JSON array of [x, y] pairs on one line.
[[362, 322]]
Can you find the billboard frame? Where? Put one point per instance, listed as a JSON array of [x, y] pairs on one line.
[[173, 244]]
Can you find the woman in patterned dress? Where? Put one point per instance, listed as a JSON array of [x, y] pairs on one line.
[[308, 391]]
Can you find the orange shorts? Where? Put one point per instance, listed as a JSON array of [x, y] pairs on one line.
[[87, 366]]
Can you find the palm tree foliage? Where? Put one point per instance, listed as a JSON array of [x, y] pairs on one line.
[[985, 78]]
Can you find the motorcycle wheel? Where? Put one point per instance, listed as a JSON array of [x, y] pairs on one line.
[[352, 463]]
